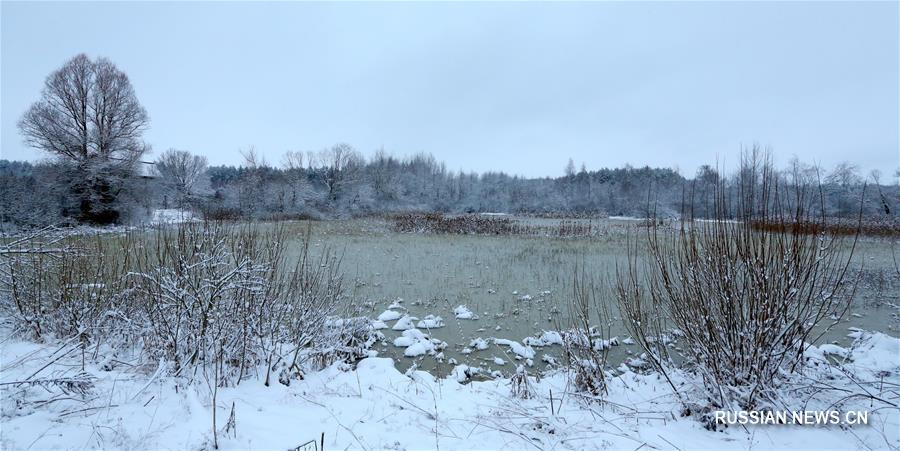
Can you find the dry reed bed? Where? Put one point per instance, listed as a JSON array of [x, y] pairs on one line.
[[486, 225]]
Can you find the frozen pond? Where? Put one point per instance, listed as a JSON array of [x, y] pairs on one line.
[[520, 286]]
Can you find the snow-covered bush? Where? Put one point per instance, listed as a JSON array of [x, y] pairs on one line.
[[230, 292], [745, 301], [204, 291], [344, 340], [196, 295], [54, 286]]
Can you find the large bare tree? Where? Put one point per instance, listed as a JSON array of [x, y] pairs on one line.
[[89, 117]]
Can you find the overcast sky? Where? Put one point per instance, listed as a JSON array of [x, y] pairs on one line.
[[502, 86]]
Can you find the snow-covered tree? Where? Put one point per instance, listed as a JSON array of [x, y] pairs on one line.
[[181, 173], [89, 118]]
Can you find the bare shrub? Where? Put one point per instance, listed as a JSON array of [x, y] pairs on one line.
[[52, 286], [344, 340], [198, 284], [224, 299], [744, 300], [586, 346], [230, 293]]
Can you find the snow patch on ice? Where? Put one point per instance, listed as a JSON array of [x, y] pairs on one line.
[[389, 315], [547, 338], [404, 323], [525, 352], [479, 344], [431, 322], [463, 312]]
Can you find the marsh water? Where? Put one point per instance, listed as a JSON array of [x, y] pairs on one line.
[[519, 286]]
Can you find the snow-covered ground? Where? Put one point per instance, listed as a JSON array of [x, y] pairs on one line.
[[379, 406], [172, 216]]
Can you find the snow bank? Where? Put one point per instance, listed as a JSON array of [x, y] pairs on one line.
[[830, 349], [875, 352], [375, 406]]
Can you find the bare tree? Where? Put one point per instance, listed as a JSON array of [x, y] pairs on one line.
[[844, 174], [89, 117], [181, 171], [341, 166], [299, 188], [251, 187], [384, 172], [292, 160]]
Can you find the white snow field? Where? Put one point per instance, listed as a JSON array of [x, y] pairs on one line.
[[377, 406]]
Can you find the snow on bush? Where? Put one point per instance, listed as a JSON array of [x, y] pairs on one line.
[[744, 297], [200, 294], [520, 385]]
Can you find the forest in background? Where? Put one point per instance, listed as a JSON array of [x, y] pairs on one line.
[[340, 182]]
